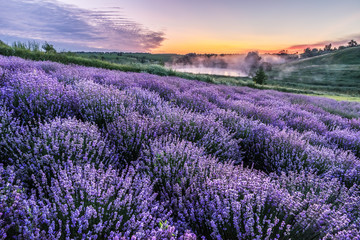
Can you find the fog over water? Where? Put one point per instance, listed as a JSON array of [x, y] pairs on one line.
[[212, 71], [226, 65]]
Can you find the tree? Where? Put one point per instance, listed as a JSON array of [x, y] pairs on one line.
[[49, 48], [327, 48], [315, 52], [283, 52], [307, 53], [260, 77], [352, 43]]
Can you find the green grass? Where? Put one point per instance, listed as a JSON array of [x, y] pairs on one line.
[[344, 56], [340, 98], [336, 73], [128, 58]]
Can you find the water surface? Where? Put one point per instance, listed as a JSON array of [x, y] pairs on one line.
[[212, 71]]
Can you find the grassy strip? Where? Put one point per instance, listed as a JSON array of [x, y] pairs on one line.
[[338, 98]]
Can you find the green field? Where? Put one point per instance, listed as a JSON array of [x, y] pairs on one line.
[[334, 74], [128, 58]]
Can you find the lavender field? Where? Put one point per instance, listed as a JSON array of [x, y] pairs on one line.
[[90, 153]]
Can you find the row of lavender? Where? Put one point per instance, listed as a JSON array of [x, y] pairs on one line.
[[90, 153]]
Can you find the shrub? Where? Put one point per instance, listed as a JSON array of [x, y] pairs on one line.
[[12, 137], [36, 97], [12, 211], [101, 104], [145, 101], [273, 150], [95, 202], [260, 77], [131, 133], [48, 48], [67, 131], [329, 206], [63, 140], [203, 130], [216, 200], [346, 139], [83, 202]]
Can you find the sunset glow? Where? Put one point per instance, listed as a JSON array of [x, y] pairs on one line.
[[161, 26]]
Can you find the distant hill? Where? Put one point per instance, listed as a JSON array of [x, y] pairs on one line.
[[345, 56], [336, 72]]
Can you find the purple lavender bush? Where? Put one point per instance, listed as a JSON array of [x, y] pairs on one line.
[[146, 102], [93, 203], [180, 172], [101, 105], [346, 139], [222, 201], [84, 202], [273, 150], [165, 231], [204, 130], [89, 153], [21, 216], [130, 134], [63, 140], [327, 206], [34, 97], [12, 212], [12, 134]]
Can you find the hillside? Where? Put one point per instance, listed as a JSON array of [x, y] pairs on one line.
[[344, 56], [333, 73]]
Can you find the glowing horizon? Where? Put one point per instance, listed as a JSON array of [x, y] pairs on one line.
[[201, 26]]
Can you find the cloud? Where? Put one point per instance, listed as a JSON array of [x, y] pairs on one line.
[[68, 25], [338, 42]]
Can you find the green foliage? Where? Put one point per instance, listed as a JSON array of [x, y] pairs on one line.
[[29, 46], [352, 43], [128, 58], [2, 44], [260, 77], [48, 48], [19, 45], [34, 46]]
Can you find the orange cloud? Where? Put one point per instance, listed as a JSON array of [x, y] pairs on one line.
[[336, 43]]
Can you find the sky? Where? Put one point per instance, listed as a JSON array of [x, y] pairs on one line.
[[169, 26]]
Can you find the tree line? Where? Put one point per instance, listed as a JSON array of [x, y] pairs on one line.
[[308, 52]]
